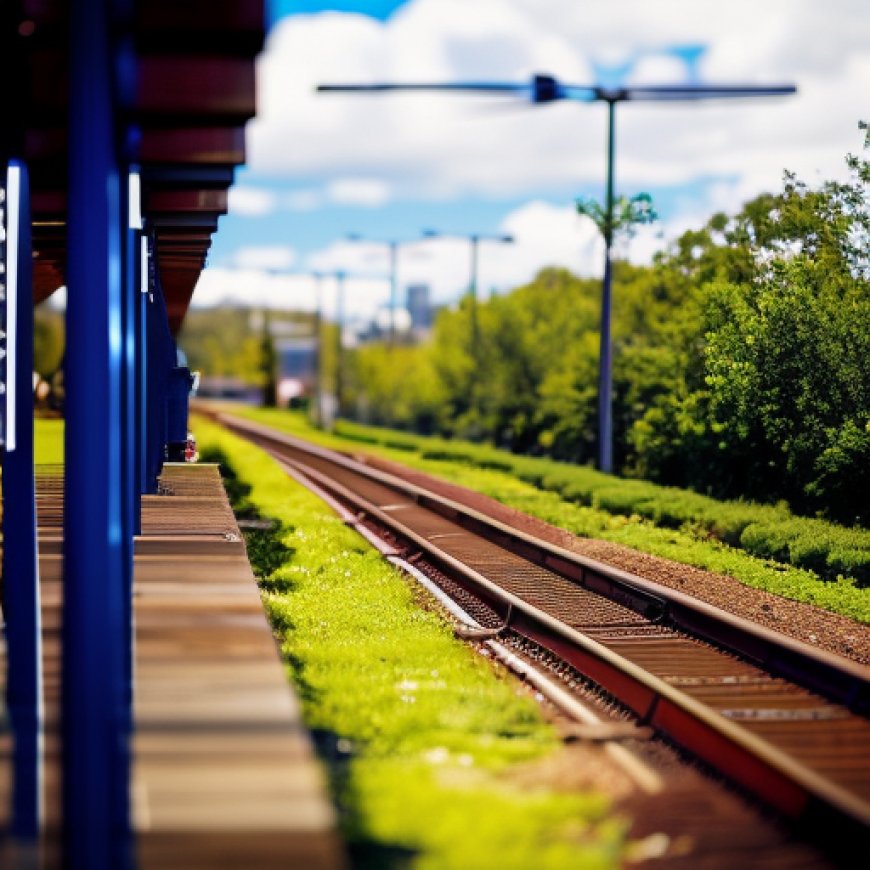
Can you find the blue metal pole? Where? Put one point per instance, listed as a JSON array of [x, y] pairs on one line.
[[20, 563], [475, 332], [132, 465], [145, 303], [161, 359], [605, 362], [155, 376], [339, 342], [95, 636], [131, 214]]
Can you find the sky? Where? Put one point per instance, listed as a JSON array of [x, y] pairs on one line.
[[321, 167]]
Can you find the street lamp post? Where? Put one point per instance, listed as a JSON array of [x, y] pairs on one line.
[[605, 353], [474, 240], [392, 247], [547, 89], [318, 347], [339, 340]]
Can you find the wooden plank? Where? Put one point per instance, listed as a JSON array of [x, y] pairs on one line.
[[224, 775]]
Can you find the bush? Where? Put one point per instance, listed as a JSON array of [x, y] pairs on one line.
[[813, 544], [850, 562], [621, 498]]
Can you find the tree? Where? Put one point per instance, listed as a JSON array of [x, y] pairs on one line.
[[783, 408], [268, 363], [628, 213]]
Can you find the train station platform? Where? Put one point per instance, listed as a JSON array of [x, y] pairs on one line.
[[223, 770]]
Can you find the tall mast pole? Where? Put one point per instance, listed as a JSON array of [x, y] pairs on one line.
[[605, 374]]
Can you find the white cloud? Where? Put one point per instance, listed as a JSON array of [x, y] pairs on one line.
[[368, 151], [264, 257], [439, 146], [254, 286], [544, 235], [250, 286], [251, 201], [248, 201], [302, 200], [366, 192]]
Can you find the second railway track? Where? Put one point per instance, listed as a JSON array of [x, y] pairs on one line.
[[786, 722]]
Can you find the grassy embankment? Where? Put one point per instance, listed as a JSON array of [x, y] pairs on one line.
[[750, 542], [429, 756], [48, 441]]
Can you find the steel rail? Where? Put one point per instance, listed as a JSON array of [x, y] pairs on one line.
[[829, 675], [777, 779], [595, 727]]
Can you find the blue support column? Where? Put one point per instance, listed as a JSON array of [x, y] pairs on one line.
[[20, 564], [129, 428], [156, 392], [96, 634], [177, 412], [146, 303], [161, 361], [132, 275]]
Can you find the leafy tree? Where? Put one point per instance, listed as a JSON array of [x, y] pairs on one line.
[[268, 364], [628, 214], [789, 371], [395, 387], [783, 409]]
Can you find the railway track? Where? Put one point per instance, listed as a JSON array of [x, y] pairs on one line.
[[785, 722]]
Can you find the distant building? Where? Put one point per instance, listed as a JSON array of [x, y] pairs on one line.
[[419, 307], [297, 368], [229, 387]]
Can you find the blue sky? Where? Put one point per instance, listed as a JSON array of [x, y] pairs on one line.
[[386, 167], [379, 9]]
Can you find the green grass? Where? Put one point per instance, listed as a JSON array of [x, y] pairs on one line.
[[48, 441], [526, 487], [422, 742]]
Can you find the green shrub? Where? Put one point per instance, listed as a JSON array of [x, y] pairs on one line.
[[578, 491], [395, 444], [621, 498], [810, 548], [556, 481], [728, 520], [768, 540], [850, 562]]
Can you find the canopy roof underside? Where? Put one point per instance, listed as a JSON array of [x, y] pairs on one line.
[[191, 93]]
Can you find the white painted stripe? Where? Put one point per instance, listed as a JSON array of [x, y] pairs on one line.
[[143, 265], [13, 232], [134, 188]]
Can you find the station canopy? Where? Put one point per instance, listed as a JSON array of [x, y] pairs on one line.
[[190, 70]]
